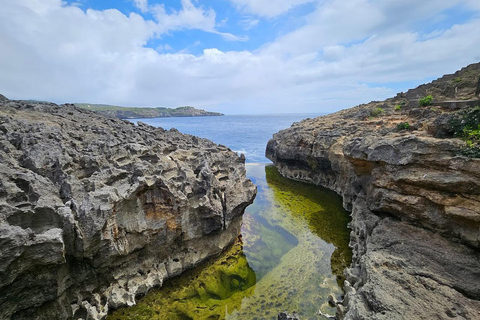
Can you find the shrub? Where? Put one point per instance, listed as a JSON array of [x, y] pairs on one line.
[[466, 119], [376, 112], [403, 126], [457, 80], [425, 101], [398, 107], [466, 125]]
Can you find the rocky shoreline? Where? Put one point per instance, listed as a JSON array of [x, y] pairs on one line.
[[95, 211], [413, 194]]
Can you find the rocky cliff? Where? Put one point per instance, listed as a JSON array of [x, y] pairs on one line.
[[95, 211], [413, 192]]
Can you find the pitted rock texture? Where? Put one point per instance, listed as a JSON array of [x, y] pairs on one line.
[[95, 211], [415, 201]]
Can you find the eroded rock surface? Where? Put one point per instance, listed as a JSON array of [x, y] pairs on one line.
[[415, 200], [95, 211]]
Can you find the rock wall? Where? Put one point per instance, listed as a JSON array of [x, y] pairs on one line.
[[95, 211], [415, 201]]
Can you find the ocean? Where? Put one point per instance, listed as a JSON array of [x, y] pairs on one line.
[[247, 134]]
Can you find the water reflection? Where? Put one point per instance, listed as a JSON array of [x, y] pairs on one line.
[[293, 247], [321, 209], [264, 244]]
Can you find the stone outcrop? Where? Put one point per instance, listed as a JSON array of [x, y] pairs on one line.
[[414, 198], [95, 211]]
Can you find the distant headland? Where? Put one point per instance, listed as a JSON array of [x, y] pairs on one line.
[[136, 113]]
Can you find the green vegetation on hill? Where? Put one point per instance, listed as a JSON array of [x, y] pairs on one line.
[[425, 101], [466, 125], [376, 112], [134, 112]]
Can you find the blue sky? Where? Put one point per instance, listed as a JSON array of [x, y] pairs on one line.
[[232, 56]]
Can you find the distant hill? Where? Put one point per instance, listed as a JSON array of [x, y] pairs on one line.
[[134, 112]]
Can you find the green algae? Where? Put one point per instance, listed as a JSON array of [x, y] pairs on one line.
[[264, 244], [290, 257], [322, 210], [202, 293]]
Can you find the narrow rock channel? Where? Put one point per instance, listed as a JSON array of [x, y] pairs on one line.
[[291, 255]]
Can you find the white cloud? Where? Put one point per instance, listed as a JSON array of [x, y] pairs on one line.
[[141, 4], [223, 23], [231, 37], [249, 23], [53, 51], [76, 4], [268, 8], [189, 17], [343, 22], [165, 47]]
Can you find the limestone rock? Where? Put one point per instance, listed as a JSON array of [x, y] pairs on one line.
[[415, 201], [95, 211]]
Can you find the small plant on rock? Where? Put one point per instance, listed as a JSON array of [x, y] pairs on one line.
[[425, 101], [376, 112], [466, 125], [398, 107], [403, 126]]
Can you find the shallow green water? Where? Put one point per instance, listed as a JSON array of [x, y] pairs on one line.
[[290, 257]]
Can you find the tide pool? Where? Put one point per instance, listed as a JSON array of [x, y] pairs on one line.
[[290, 257]]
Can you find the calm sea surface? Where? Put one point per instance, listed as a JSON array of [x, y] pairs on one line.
[[247, 134], [293, 245]]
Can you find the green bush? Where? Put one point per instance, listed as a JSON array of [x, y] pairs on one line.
[[457, 80], [376, 112], [425, 101], [403, 126], [466, 125], [398, 107]]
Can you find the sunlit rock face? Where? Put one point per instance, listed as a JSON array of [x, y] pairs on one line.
[[413, 194], [96, 211]]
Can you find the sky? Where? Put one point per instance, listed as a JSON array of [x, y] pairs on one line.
[[232, 56]]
